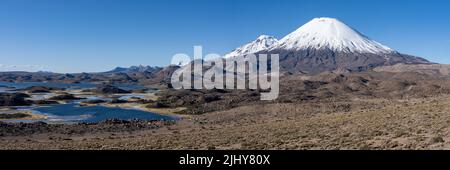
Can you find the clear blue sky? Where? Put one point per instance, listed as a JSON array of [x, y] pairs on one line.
[[98, 35]]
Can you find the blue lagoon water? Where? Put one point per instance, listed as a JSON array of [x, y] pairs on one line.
[[90, 114], [73, 113]]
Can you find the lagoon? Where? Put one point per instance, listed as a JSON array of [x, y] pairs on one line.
[[73, 113]]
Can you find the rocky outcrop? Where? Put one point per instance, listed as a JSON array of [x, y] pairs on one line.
[[14, 99], [45, 102], [40, 89], [117, 101], [65, 96], [109, 89]]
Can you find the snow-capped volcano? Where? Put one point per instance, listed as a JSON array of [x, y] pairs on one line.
[[263, 42], [330, 33], [326, 44]]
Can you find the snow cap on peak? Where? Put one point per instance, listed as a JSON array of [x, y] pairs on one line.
[[263, 42], [265, 37], [330, 33], [325, 19]]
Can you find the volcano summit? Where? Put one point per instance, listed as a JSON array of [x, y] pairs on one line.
[[327, 44]]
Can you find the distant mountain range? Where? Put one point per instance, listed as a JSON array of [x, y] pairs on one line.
[[131, 75], [132, 69]]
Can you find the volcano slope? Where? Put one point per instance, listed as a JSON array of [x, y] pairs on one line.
[[366, 110]]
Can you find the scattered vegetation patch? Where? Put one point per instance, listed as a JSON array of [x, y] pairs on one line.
[[14, 116]]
